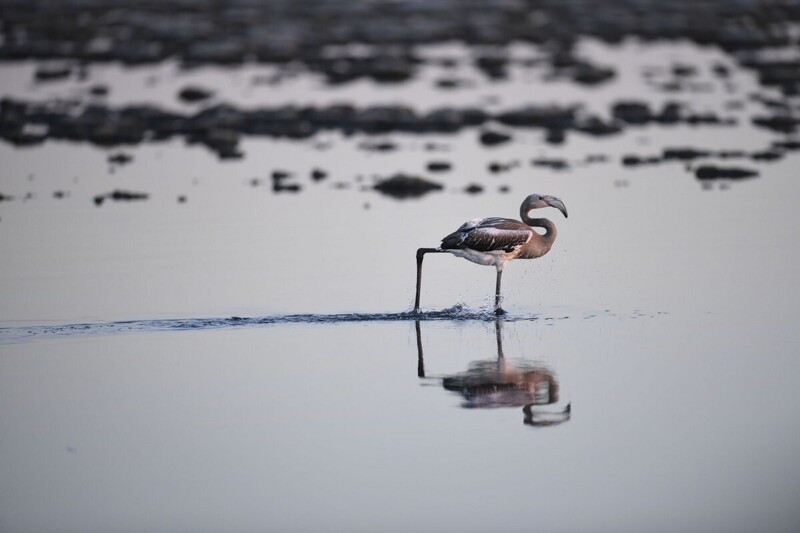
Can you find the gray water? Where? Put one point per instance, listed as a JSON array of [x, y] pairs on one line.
[[249, 361]]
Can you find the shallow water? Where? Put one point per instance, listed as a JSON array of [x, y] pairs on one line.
[[250, 361]]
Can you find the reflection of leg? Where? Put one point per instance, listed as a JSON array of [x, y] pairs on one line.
[[498, 333], [420, 256], [420, 360]]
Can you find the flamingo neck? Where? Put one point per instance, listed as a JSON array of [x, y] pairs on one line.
[[549, 227], [539, 244]]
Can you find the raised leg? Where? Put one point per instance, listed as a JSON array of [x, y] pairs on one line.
[[420, 256]]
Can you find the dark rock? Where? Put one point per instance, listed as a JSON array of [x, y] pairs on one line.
[[378, 146], [539, 117], [452, 83], [382, 67], [555, 164], [447, 120], [555, 136], [5, 198], [731, 154], [279, 187], [709, 119], [120, 196], [473, 188], [598, 128], [670, 113], [318, 174], [766, 155], [635, 160], [221, 140], [786, 145], [493, 65], [439, 166], [588, 74], [779, 105], [127, 196], [566, 65], [52, 72], [683, 71], [181, 199], [222, 49], [279, 175], [721, 71], [387, 69], [779, 123], [632, 112], [279, 184], [710, 172], [496, 168], [595, 158], [684, 154], [384, 119], [785, 74], [99, 90], [228, 152], [494, 138], [120, 158], [436, 147], [402, 186], [194, 94]]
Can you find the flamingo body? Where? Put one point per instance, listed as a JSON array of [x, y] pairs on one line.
[[488, 241], [495, 241]]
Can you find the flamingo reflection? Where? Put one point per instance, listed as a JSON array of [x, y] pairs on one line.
[[499, 383]]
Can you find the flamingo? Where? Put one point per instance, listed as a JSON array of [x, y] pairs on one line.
[[496, 241]]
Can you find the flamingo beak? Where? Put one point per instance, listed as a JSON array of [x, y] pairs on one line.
[[552, 201]]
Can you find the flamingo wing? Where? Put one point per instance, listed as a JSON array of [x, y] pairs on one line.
[[488, 235]]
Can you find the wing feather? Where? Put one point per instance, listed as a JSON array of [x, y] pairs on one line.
[[488, 234]]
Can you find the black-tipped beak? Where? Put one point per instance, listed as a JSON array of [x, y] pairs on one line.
[[552, 201]]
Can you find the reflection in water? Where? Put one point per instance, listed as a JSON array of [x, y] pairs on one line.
[[501, 383]]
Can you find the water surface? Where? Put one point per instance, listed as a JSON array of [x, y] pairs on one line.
[[248, 360]]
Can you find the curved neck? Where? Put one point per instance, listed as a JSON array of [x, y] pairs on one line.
[[539, 244], [549, 227]]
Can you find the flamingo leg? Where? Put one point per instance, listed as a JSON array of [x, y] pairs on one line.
[[497, 309], [420, 256]]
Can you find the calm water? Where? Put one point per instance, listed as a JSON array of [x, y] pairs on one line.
[[664, 317]]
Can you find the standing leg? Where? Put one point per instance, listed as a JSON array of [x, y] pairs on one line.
[[497, 309], [420, 256]]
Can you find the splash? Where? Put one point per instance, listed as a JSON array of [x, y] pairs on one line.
[[12, 335]]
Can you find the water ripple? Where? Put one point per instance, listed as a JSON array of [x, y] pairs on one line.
[[17, 334]]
